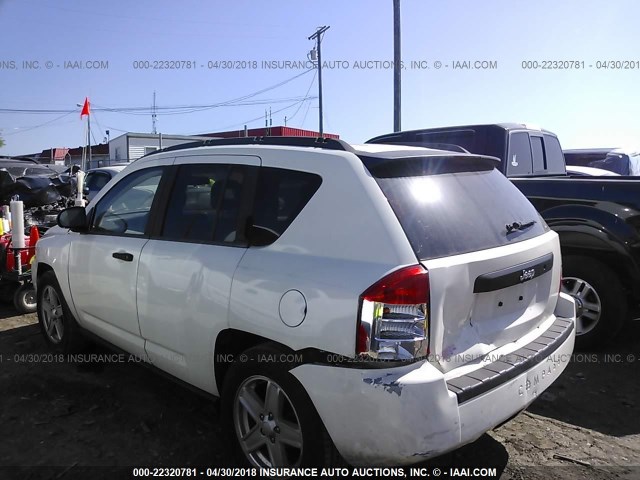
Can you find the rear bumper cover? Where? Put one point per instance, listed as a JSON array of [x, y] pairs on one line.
[[406, 414], [466, 387]]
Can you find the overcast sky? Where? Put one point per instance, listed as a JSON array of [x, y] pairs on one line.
[[586, 107]]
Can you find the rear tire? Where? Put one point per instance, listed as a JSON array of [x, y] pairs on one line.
[[269, 416], [601, 302], [59, 328], [25, 299]]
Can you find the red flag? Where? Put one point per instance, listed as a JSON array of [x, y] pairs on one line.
[[85, 107]]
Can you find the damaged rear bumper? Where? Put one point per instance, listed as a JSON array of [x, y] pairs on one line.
[[406, 414]]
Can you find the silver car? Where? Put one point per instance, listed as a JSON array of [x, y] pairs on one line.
[[98, 177]]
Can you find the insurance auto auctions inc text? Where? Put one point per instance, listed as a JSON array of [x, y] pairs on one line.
[[360, 472], [380, 64]]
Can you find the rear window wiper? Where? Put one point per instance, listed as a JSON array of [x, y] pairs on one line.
[[517, 226]]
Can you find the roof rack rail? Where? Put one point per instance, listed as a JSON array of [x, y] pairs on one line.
[[326, 143]]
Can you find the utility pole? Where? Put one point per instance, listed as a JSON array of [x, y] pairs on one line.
[[397, 70], [153, 115], [89, 138], [317, 36], [88, 114]]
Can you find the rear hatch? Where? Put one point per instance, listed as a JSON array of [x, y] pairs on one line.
[[489, 254]]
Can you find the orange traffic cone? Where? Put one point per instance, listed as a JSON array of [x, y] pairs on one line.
[[34, 236]]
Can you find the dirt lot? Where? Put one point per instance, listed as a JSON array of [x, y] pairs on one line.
[[73, 415]]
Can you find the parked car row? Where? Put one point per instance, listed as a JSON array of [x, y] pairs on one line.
[[314, 286], [617, 160]]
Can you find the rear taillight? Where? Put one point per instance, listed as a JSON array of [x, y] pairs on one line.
[[394, 316], [560, 286]]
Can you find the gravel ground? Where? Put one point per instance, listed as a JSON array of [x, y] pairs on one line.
[[57, 417]]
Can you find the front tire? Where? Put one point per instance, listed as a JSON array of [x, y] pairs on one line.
[[269, 415], [601, 302], [59, 328]]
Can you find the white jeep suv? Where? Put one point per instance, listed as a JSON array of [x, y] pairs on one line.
[[392, 302]]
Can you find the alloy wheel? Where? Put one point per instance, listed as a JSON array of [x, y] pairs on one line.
[[267, 424], [52, 314], [588, 303]]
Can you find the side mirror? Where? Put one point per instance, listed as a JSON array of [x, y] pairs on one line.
[[73, 218]]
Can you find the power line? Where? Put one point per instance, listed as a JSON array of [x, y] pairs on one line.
[[175, 110], [258, 118], [94, 138], [305, 114], [306, 95], [238, 100], [27, 129], [34, 111], [170, 110], [117, 129], [95, 118], [299, 102], [187, 109]]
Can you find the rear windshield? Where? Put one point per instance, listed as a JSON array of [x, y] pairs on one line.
[[448, 211]]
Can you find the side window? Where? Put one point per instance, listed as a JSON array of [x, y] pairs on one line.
[[125, 208], [537, 149], [280, 196], [90, 180], [519, 157], [554, 155], [96, 180], [205, 204]]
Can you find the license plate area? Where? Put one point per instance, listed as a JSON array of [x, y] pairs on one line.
[[509, 312]]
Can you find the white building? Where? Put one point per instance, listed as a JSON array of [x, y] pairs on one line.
[[131, 146]]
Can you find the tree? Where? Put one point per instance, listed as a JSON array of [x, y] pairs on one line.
[[1, 142]]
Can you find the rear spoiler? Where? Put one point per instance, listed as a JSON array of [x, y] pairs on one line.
[[449, 147], [406, 166]]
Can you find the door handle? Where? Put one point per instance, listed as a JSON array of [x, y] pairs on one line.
[[127, 257]]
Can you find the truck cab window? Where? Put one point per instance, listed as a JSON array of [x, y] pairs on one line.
[[519, 160], [554, 156], [537, 149]]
